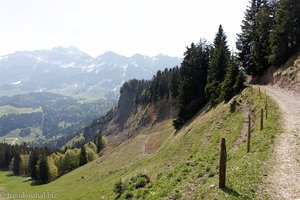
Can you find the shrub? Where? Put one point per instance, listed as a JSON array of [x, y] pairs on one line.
[[119, 188]]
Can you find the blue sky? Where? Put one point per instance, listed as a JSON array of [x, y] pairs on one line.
[[126, 27]]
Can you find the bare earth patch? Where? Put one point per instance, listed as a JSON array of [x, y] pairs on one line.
[[283, 179], [152, 144], [244, 133]]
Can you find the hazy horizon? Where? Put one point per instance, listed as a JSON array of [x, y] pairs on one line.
[[126, 28]]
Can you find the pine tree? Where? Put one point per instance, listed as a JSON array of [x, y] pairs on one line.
[[7, 158], [239, 82], [43, 170], [99, 142], [33, 159], [193, 76], [47, 171], [253, 42], [83, 157], [173, 82], [228, 90], [261, 42], [285, 36], [217, 67], [17, 164]]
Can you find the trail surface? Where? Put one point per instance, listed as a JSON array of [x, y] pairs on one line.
[[283, 180]]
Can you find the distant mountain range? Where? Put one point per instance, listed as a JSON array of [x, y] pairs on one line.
[[70, 71]]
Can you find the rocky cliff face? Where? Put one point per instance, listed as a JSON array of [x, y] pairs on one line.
[[130, 117]]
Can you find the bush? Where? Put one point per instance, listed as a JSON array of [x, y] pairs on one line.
[[119, 188]]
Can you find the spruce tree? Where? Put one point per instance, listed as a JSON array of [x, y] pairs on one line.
[[99, 142], [33, 160], [83, 157], [7, 158], [239, 82], [43, 170], [193, 76], [17, 164], [285, 36], [47, 171], [253, 42], [261, 42], [228, 90], [217, 67]]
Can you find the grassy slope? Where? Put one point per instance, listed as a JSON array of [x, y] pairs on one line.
[[185, 165], [5, 110]]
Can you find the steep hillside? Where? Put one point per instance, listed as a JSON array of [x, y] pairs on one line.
[[141, 104], [288, 75], [180, 165]]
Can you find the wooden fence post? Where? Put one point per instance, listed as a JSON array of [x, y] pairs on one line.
[[222, 167], [266, 108], [261, 119], [249, 133]]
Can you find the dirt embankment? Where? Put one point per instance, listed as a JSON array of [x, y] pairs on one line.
[[286, 76]]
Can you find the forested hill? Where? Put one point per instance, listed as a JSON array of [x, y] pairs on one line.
[[208, 74]]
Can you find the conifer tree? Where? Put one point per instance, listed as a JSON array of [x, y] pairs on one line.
[[43, 170], [217, 67], [285, 36], [33, 159], [228, 90], [261, 41], [17, 164], [253, 42], [193, 76], [83, 157], [99, 142], [239, 83], [47, 171]]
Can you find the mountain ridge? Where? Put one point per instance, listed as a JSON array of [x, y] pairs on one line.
[[71, 71]]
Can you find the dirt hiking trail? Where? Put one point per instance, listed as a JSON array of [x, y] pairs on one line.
[[283, 178]]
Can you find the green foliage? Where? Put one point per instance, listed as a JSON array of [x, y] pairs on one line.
[[217, 67], [47, 171], [119, 188], [185, 166], [92, 146], [270, 34], [24, 169], [57, 114], [17, 164], [91, 154], [192, 82], [71, 160], [233, 82], [99, 141], [285, 36], [253, 41], [33, 160], [53, 171], [83, 157], [132, 188], [43, 170]]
